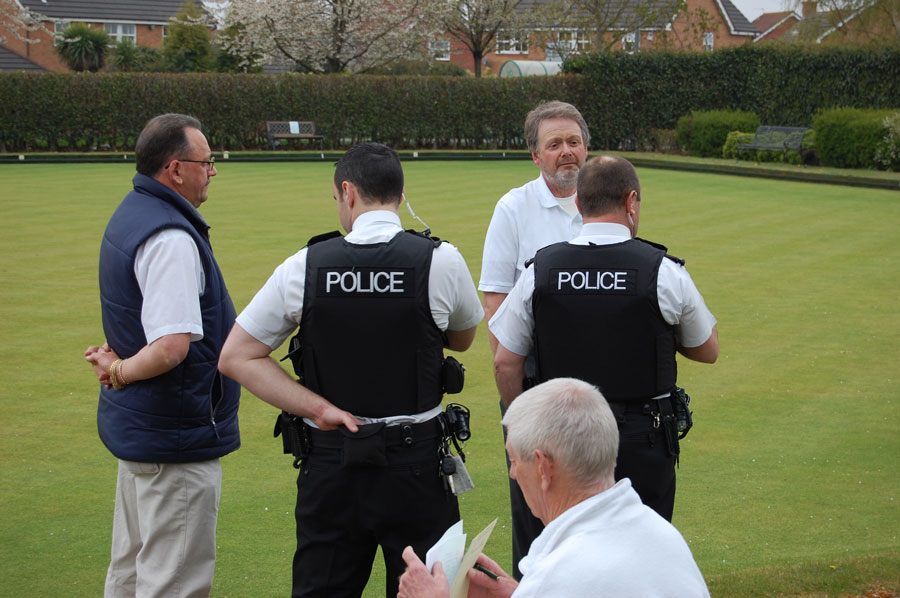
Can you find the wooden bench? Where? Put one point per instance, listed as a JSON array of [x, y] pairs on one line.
[[780, 139], [291, 129]]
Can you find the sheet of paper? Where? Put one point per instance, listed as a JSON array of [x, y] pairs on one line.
[[460, 587], [448, 550], [295, 127]]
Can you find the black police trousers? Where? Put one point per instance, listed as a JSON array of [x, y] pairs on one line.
[[344, 513], [644, 457]]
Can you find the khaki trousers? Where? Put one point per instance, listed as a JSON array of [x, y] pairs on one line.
[[164, 530]]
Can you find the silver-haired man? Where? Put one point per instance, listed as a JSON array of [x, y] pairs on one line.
[[599, 539]]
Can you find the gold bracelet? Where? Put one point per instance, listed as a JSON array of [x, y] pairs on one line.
[[113, 375], [119, 373]]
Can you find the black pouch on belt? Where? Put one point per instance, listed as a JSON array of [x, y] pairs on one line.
[[366, 448]]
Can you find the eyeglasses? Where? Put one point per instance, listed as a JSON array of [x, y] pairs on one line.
[[208, 164]]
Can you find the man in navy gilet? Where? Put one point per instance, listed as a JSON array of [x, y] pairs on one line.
[[165, 410], [375, 310], [613, 310]]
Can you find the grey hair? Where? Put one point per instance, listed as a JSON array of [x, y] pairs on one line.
[[553, 109], [569, 420]]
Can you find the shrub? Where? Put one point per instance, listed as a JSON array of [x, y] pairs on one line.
[[705, 133], [730, 149], [82, 47], [887, 153], [848, 137]]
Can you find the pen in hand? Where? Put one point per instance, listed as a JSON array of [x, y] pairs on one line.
[[486, 571]]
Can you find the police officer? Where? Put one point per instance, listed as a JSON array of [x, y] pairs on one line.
[[375, 310], [613, 310]]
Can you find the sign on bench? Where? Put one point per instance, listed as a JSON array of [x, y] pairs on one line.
[[779, 139], [291, 129]]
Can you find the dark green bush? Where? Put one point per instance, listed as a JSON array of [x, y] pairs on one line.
[[849, 137], [405, 112], [730, 149], [627, 95], [704, 133]]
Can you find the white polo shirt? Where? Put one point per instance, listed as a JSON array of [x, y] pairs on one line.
[[680, 302], [525, 219]]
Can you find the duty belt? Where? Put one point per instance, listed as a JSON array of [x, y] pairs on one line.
[[395, 435]]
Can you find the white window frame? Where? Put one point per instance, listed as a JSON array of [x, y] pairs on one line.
[[440, 49], [709, 41], [631, 42], [117, 32], [60, 26], [568, 42], [507, 44]]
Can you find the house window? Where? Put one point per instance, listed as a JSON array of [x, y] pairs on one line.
[[60, 26], [121, 31], [567, 43], [509, 43], [709, 41], [649, 36], [440, 49], [631, 42]]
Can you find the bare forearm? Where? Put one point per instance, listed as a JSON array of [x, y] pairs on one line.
[[509, 371], [708, 352], [267, 380], [160, 356], [491, 302], [247, 360], [460, 340]]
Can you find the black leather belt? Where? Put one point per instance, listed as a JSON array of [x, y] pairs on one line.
[[395, 435], [647, 407]]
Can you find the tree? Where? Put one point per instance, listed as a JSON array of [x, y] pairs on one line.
[[188, 45], [127, 57], [82, 47], [856, 20], [332, 36], [18, 21], [476, 23], [606, 21]]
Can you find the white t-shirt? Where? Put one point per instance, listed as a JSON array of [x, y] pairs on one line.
[[168, 270], [275, 312], [610, 545], [680, 302], [526, 219]]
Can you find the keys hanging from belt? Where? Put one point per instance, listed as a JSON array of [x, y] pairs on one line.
[[453, 471]]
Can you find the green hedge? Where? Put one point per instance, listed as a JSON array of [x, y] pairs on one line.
[[703, 133], [850, 137], [57, 110], [784, 85], [626, 99]]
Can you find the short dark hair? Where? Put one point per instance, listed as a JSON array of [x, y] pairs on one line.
[[604, 184], [554, 109], [161, 139], [375, 170]]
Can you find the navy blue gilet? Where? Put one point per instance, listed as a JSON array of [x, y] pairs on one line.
[[189, 413], [597, 318], [368, 339]]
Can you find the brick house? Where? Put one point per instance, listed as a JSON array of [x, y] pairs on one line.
[[141, 21], [863, 22], [773, 25], [703, 25]]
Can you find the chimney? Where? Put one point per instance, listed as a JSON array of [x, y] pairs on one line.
[[809, 7]]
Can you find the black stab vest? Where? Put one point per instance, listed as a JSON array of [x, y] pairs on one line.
[[368, 339], [597, 318]]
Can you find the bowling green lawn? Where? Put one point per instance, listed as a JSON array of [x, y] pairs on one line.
[[789, 483]]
